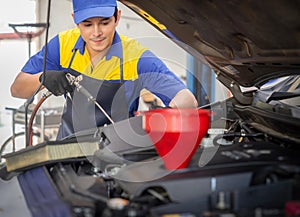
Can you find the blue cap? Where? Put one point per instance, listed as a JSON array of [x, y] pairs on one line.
[[84, 9]]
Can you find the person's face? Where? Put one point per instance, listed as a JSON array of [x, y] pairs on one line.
[[98, 33]]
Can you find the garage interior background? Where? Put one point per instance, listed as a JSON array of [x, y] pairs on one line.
[[14, 52]]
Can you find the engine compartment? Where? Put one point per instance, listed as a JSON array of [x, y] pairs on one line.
[[242, 172]]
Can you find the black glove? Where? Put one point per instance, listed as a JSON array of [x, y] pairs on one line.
[[56, 82]]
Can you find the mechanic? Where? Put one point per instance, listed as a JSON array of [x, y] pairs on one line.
[[114, 69]]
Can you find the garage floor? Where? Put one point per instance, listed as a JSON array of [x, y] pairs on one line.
[[12, 202]]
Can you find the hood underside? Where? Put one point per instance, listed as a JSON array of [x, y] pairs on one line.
[[249, 41]]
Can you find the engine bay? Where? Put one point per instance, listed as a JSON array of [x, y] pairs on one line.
[[240, 172]]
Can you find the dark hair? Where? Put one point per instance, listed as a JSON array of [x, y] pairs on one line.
[[116, 13]]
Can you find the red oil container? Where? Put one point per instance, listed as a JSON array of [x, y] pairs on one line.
[[176, 133]]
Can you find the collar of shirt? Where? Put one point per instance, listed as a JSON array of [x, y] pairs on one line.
[[115, 49]]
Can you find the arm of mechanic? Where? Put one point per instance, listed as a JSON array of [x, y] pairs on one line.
[[184, 99], [54, 80], [24, 85]]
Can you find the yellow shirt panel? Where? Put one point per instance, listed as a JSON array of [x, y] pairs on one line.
[[132, 51], [67, 41], [105, 69]]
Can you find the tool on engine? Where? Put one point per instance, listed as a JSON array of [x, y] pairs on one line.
[[75, 81]]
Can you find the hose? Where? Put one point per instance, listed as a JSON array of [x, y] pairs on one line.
[[32, 116]]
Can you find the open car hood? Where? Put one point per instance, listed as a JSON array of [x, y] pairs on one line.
[[247, 42]]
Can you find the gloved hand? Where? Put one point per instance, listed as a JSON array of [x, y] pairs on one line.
[[56, 82]]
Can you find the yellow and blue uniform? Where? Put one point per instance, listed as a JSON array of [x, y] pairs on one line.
[[141, 67], [126, 60]]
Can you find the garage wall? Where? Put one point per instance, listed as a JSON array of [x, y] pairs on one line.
[[13, 54], [60, 16]]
